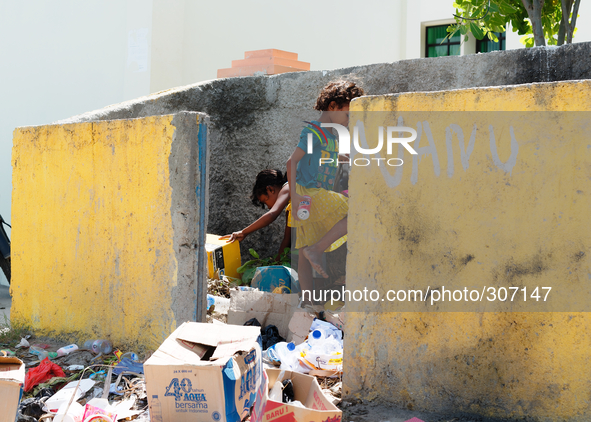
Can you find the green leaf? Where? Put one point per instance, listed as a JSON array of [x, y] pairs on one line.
[[494, 8], [247, 264], [248, 275], [253, 253], [476, 31]]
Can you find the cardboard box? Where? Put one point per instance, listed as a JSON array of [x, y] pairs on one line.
[[267, 308], [223, 258], [205, 372], [12, 380], [299, 326], [306, 389]]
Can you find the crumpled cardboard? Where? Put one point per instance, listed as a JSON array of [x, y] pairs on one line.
[[267, 308]]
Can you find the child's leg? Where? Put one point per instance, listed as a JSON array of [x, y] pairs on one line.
[[304, 273], [313, 253]]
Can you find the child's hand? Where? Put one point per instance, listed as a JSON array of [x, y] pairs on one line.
[[344, 157], [239, 236], [295, 204]]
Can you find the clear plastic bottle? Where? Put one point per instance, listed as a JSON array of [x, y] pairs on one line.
[[270, 356], [288, 356], [155, 409], [222, 304], [102, 346], [316, 337], [39, 352], [67, 349]]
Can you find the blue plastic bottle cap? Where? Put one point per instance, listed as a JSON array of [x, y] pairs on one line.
[[316, 334], [290, 346]]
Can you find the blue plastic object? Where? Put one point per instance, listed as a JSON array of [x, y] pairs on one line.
[[276, 279]]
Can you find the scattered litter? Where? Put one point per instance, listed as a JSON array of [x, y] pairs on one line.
[[335, 319], [270, 336], [99, 407], [75, 368], [44, 372], [66, 350], [69, 412], [33, 407], [219, 304], [75, 389], [253, 322], [326, 327], [41, 353], [128, 365], [41, 345], [299, 326], [23, 344]]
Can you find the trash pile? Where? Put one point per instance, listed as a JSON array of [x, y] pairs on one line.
[[294, 340], [90, 383]]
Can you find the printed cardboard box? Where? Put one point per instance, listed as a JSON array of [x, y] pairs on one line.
[[12, 380], [223, 258], [205, 372], [306, 390]]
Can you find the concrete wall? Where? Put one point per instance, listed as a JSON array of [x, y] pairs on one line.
[[62, 59], [512, 215], [256, 120], [108, 227]]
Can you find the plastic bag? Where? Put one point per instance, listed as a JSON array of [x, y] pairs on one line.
[[253, 322], [44, 372], [270, 336]]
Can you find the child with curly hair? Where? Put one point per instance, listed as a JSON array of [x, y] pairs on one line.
[[271, 190], [326, 228]]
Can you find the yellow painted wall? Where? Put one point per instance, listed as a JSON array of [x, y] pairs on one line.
[[498, 221], [92, 252]]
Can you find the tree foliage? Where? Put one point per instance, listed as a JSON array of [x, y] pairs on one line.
[[539, 21]]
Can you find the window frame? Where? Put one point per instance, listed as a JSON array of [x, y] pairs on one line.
[[502, 36], [447, 43]]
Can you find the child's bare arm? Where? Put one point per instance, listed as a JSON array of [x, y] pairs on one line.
[[292, 164], [265, 219]]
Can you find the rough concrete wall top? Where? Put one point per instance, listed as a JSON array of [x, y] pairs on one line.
[[249, 114]]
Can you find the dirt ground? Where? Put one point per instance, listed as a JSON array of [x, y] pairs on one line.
[[370, 412]]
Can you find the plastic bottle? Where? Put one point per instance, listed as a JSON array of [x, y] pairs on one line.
[[288, 356], [102, 346], [304, 207], [316, 337], [222, 304], [39, 352], [327, 328], [67, 349], [276, 392], [270, 356], [155, 409]]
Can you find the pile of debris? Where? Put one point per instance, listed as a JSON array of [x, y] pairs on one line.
[[295, 340], [283, 357], [71, 383]]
